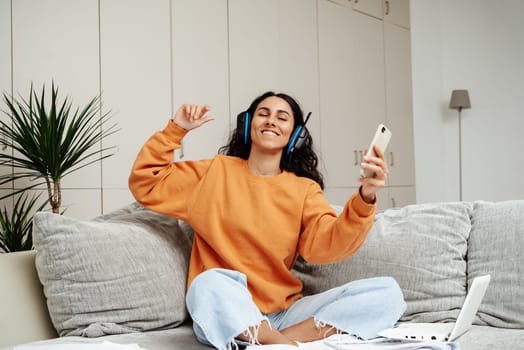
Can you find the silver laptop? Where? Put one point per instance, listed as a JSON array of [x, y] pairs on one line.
[[444, 331]]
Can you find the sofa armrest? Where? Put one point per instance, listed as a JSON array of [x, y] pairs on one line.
[[23, 312]]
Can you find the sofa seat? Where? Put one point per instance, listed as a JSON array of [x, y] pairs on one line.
[[182, 338], [490, 338]]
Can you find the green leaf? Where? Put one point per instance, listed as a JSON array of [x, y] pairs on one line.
[[49, 139], [16, 227]]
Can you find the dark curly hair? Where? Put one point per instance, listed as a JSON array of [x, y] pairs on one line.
[[302, 162]]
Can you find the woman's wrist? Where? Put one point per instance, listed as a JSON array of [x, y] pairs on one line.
[[367, 199]]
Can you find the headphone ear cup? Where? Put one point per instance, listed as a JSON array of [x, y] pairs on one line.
[[297, 140], [243, 127]]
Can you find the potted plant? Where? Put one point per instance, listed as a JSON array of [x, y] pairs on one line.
[[48, 142], [16, 226]]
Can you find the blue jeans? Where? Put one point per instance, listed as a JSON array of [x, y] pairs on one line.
[[222, 307]]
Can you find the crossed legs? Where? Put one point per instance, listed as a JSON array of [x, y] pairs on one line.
[[222, 310]]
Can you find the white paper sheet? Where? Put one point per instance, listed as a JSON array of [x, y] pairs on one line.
[[105, 345]]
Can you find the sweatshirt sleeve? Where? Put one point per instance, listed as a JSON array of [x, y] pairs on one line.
[[160, 184], [327, 238]]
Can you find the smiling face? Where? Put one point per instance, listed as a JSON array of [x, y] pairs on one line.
[[272, 125]]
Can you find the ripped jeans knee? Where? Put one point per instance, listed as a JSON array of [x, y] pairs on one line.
[[221, 308]]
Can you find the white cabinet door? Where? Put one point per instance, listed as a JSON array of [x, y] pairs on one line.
[[5, 49], [365, 80], [5, 68], [369, 7], [399, 105], [369, 76], [338, 95], [352, 88], [200, 70], [135, 80], [58, 41], [397, 12], [339, 195], [273, 46], [346, 3], [387, 197], [401, 196]]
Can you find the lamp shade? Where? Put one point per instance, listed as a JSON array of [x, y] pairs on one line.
[[459, 99]]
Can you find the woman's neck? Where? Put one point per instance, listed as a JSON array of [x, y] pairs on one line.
[[264, 164]]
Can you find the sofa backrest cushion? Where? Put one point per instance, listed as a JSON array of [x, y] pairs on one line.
[[496, 246], [422, 246], [125, 272]]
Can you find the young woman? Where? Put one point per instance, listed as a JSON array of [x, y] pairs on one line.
[[254, 208]]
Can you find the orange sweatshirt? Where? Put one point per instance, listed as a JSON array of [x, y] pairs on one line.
[[252, 224]]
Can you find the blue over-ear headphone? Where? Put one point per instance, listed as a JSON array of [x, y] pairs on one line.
[[243, 127], [296, 141]]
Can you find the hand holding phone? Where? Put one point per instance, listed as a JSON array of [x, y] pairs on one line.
[[381, 140]]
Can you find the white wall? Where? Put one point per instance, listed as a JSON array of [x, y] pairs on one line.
[[476, 45]]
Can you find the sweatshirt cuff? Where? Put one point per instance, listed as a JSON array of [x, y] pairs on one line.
[[174, 131], [361, 207]]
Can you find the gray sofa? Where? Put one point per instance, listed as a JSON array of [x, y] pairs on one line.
[[121, 277]]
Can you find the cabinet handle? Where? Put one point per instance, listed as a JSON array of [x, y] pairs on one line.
[[355, 155], [387, 7], [393, 202], [391, 159]]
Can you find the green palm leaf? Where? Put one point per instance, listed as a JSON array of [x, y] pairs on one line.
[[16, 228], [51, 140]]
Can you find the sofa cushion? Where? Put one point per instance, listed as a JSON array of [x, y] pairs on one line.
[[120, 273], [496, 246], [422, 246], [491, 338]]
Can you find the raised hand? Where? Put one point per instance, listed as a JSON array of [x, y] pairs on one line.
[[190, 116], [370, 185]]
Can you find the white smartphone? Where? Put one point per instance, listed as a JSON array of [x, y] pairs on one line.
[[381, 139]]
